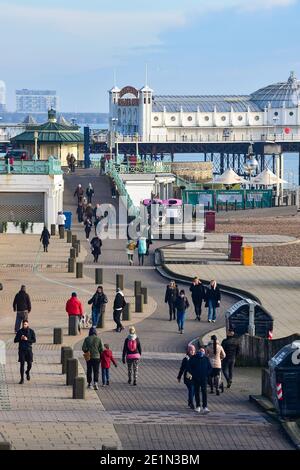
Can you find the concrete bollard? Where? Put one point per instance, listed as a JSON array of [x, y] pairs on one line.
[[101, 322], [139, 303], [74, 240], [53, 230], [127, 312], [71, 265], [78, 246], [76, 250], [137, 287], [67, 354], [73, 325], [61, 232], [5, 446], [79, 388], [57, 336], [79, 270], [62, 353], [144, 292], [120, 281], [69, 236], [72, 370], [98, 276], [72, 253]]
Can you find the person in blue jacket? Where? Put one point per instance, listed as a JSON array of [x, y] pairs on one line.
[[199, 369], [142, 249]]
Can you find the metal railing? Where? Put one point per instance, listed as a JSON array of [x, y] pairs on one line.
[[110, 169], [143, 167], [34, 167]]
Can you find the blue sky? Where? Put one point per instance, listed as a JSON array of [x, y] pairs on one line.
[[190, 46]]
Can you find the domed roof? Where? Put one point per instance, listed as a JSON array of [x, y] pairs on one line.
[[279, 94]]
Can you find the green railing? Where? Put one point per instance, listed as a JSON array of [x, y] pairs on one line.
[[51, 166], [143, 167], [110, 169]]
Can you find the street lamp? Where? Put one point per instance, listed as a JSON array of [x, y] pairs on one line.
[[36, 136], [251, 163], [112, 134], [137, 144]]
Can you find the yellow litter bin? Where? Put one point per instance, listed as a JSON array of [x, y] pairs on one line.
[[247, 255]]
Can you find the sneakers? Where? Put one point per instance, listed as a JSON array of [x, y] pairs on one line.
[[27, 375], [218, 392], [209, 321], [107, 383], [89, 386], [205, 410], [222, 387], [181, 331], [198, 409], [214, 321], [229, 384], [96, 386]]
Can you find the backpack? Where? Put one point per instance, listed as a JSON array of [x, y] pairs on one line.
[[132, 345]]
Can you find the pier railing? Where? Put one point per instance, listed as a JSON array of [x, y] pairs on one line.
[[143, 167], [51, 166], [111, 170]]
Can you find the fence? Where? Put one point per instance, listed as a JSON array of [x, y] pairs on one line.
[[110, 169], [228, 199], [34, 167]]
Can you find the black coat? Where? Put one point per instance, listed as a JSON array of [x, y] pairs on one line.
[[98, 301], [200, 368], [23, 344], [198, 293], [89, 191], [184, 369], [22, 302], [96, 244], [45, 237], [214, 295], [171, 295], [119, 301], [182, 303], [231, 346]]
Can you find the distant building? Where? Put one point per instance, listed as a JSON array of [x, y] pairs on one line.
[[35, 101], [2, 96]]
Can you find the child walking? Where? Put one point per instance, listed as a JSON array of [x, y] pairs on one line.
[[106, 358]]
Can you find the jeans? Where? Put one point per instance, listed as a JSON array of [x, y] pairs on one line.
[[211, 310], [197, 306], [191, 391], [141, 258], [93, 366], [172, 310], [203, 386], [180, 319], [21, 316], [96, 315], [105, 376], [227, 367], [214, 379]]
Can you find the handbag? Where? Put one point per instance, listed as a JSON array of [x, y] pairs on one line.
[[87, 355]]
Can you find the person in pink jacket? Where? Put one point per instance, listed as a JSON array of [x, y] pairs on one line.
[[216, 354]]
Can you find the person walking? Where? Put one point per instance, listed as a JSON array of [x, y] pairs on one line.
[[216, 354], [98, 302], [88, 213], [183, 371], [79, 212], [69, 161], [181, 305], [88, 224], [131, 246], [92, 348], [106, 359], [22, 307], [45, 238], [79, 193], [72, 163], [199, 369], [89, 193], [74, 308], [113, 189], [198, 294], [231, 346], [171, 295], [96, 244], [142, 249], [61, 220], [132, 352], [212, 300], [26, 338], [119, 304]]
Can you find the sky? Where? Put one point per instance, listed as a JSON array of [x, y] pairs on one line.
[[189, 46]]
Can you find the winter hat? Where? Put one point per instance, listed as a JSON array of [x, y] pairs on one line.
[[74, 294]]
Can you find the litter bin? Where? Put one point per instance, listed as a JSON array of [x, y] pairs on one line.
[[237, 319], [235, 243], [210, 221], [285, 380], [68, 223], [247, 255]]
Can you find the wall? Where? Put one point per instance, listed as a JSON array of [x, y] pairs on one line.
[[139, 190]]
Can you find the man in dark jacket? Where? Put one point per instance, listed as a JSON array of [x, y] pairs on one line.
[[183, 371], [198, 295], [96, 244], [45, 238], [119, 304], [22, 306], [25, 337], [172, 293], [231, 346], [199, 367], [98, 302]]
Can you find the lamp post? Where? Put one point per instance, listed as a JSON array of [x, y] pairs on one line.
[[113, 122], [137, 144], [251, 163]]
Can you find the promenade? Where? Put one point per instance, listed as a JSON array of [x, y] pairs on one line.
[[41, 414]]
